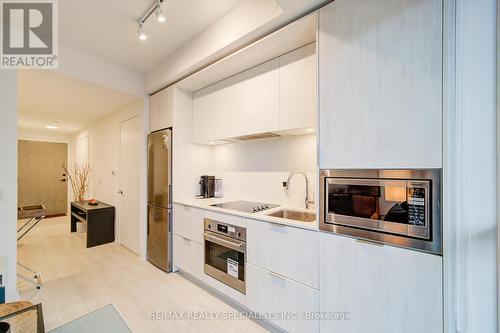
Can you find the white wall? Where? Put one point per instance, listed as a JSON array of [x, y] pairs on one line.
[[8, 178], [104, 143], [255, 170]]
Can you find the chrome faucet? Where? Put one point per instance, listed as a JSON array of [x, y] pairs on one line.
[[292, 174]]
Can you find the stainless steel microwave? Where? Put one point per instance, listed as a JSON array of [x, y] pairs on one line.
[[399, 207]]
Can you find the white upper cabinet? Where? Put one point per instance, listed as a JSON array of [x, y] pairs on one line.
[[261, 98], [161, 107], [227, 119], [380, 84], [278, 95], [203, 103], [298, 88], [218, 111]]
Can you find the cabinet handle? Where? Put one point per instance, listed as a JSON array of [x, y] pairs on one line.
[[364, 241], [276, 275]]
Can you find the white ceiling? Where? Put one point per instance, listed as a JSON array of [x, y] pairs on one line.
[[108, 28], [46, 96]]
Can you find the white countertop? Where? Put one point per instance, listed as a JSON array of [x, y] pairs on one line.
[[260, 216]]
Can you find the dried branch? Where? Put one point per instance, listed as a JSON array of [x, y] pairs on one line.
[[79, 178]]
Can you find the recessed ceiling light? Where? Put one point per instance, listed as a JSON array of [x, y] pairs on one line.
[[52, 125]]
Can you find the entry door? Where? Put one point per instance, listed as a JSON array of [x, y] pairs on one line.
[[41, 178], [130, 142]]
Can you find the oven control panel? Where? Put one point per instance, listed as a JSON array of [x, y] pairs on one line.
[[225, 229]]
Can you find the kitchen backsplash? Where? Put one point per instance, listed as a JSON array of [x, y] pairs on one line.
[[255, 170]]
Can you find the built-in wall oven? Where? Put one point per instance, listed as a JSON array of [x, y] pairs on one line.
[[225, 251], [399, 207]]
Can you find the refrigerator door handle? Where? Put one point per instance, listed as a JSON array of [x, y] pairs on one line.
[[170, 196], [169, 221]]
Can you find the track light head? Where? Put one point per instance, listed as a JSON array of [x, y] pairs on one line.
[[140, 33], [159, 15]]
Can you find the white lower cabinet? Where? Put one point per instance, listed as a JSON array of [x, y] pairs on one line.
[[276, 295], [288, 251], [384, 289], [188, 256], [188, 223]]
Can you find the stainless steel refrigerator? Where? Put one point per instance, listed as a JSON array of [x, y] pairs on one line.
[[159, 249]]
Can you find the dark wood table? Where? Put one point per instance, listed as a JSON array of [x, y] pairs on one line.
[[100, 221]]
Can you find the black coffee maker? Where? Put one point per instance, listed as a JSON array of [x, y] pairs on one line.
[[207, 186]]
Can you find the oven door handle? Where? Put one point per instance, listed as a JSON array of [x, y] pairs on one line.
[[237, 246]]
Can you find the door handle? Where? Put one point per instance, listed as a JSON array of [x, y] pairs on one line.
[[240, 246], [170, 195], [169, 222], [62, 180], [276, 275]]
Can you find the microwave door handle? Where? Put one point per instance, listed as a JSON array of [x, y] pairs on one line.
[[232, 245], [366, 182]]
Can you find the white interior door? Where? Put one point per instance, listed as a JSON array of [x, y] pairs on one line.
[[128, 225]]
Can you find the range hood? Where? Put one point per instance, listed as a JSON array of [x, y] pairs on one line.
[[258, 136]]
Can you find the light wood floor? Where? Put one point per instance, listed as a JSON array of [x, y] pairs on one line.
[[79, 280]]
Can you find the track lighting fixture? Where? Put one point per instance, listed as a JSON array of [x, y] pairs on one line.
[[157, 9]]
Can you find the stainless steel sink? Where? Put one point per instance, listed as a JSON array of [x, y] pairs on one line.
[[294, 215]]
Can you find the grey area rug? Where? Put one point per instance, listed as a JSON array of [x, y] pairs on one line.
[[104, 320]]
